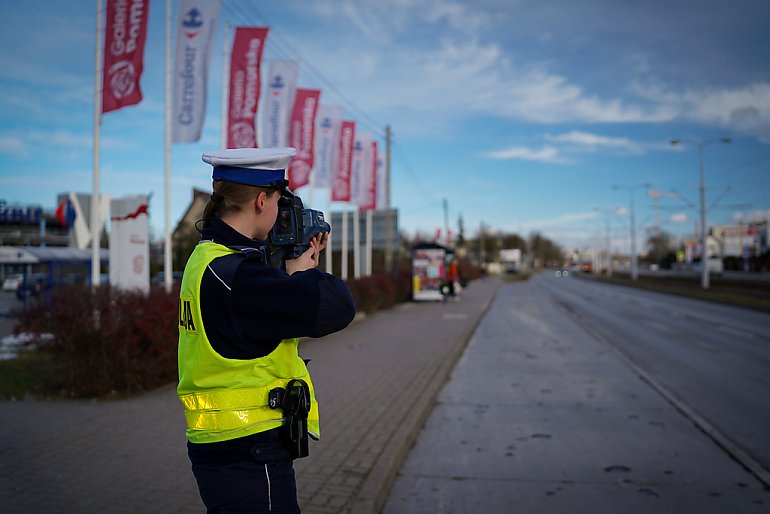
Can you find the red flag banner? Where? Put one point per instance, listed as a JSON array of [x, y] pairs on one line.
[[341, 179], [302, 135], [245, 85], [126, 31]]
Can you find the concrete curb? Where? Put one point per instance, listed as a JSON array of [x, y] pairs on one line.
[[374, 492]]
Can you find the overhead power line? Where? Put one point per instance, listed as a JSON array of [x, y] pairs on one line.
[[247, 13], [287, 50]]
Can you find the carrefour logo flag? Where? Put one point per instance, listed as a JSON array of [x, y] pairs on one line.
[[194, 38], [279, 100], [65, 213], [327, 142]]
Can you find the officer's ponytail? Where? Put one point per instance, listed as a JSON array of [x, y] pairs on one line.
[[228, 197]]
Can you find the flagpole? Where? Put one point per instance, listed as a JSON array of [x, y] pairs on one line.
[[225, 89], [369, 241], [388, 214], [329, 252], [344, 256], [356, 243], [310, 191], [95, 203], [167, 271]]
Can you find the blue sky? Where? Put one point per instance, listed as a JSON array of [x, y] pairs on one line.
[[521, 114]]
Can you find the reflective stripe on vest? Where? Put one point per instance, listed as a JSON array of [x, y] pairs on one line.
[[227, 398]]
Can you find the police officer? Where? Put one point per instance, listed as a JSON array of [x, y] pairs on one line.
[[239, 322]]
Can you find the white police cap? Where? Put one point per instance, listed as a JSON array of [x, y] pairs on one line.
[[250, 166]]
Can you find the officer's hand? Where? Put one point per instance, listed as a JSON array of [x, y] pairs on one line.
[[306, 261], [323, 240]]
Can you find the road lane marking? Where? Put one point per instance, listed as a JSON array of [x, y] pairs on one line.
[[724, 442], [736, 331]]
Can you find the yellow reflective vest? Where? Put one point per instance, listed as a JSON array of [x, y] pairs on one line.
[[227, 398]]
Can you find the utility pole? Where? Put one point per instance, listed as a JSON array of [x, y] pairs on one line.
[[446, 221], [608, 252], [656, 195], [607, 242], [704, 252], [634, 256], [482, 245]]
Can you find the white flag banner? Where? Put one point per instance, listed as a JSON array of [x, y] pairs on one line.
[[80, 231], [194, 41], [369, 181], [279, 100], [130, 243], [360, 168], [327, 142]]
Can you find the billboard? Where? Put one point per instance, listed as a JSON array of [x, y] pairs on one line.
[[129, 243], [428, 273]]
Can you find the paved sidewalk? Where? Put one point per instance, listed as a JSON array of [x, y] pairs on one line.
[[540, 417], [376, 382]]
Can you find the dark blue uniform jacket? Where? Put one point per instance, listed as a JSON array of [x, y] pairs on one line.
[[264, 304]]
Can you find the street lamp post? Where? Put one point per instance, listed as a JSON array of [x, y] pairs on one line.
[[634, 256], [607, 246], [704, 281]]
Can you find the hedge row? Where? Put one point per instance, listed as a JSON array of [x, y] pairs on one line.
[[115, 343], [111, 343], [377, 292]]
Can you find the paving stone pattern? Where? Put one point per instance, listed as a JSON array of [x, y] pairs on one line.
[[376, 383]]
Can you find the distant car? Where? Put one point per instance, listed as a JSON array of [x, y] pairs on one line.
[[714, 266], [32, 285], [159, 278], [12, 282], [562, 273]]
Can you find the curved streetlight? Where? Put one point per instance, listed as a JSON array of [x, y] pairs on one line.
[[700, 144]]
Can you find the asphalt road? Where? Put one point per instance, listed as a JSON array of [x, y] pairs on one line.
[[712, 359], [576, 396], [739, 276]]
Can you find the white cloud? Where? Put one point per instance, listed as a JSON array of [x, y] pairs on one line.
[[678, 218], [751, 217], [594, 141], [545, 154], [13, 146], [559, 220], [383, 19], [457, 75], [464, 65], [745, 109]]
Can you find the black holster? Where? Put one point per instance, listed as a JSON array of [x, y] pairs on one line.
[[294, 400]]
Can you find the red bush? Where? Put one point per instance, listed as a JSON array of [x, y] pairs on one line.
[[111, 342], [380, 291]]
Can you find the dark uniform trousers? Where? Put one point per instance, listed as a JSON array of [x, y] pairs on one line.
[[250, 474]]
